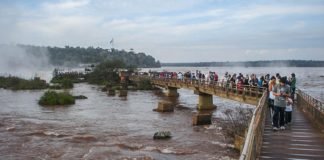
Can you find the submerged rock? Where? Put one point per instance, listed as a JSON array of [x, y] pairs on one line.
[[11, 128], [162, 135], [80, 97], [84, 137]]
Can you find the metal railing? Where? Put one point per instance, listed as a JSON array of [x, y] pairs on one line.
[[312, 107], [221, 86], [310, 100], [253, 139]]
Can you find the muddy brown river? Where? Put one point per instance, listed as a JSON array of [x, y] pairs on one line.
[[103, 127]]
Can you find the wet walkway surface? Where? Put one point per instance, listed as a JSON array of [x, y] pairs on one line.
[[299, 141]]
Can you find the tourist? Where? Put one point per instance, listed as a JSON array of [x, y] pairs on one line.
[[253, 81], [281, 92], [228, 81], [246, 80], [266, 81], [232, 81], [267, 78], [203, 78], [272, 84], [224, 79], [278, 78], [215, 77], [288, 111], [180, 76], [240, 84], [293, 85], [261, 81]]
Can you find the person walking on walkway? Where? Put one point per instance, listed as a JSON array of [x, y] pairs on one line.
[[281, 93]]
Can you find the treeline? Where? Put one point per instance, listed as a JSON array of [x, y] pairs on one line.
[[78, 55], [276, 63]]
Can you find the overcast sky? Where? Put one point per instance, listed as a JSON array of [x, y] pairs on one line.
[[172, 30]]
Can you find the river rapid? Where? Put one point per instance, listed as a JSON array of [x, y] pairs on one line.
[[103, 127]]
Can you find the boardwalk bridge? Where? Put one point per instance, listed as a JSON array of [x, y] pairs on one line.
[[303, 140]]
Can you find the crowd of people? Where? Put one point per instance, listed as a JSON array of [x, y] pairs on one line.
[[230, 79], [281, 89]]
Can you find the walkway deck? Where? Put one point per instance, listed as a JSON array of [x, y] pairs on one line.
[[300, 141]]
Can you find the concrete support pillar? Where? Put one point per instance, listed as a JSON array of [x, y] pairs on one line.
[[205, 101], [164, 106], [201, 119], [122, 93], [111, 92], [172, 92]]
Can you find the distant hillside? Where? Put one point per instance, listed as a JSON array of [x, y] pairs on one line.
[[77, 55], [277, 63]]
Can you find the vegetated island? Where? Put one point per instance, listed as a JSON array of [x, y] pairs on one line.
[[272, 63], [74, 56], [51, 98]]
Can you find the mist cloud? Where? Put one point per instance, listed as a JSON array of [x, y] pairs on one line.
[[23, 61]]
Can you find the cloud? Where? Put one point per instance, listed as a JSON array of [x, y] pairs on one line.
[[71, 4], [183, 29], [258, 11]]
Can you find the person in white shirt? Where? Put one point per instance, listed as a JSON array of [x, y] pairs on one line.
[[180, 76], [272, 84]]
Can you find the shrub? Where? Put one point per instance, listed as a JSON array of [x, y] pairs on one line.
[[75, 77], [144, 84], [55, 98], [236, 121], [67, 84], [105, 72]]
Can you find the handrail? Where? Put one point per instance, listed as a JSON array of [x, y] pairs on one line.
[[204, 84], [311, 100], [253, 139], [312, 107]]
